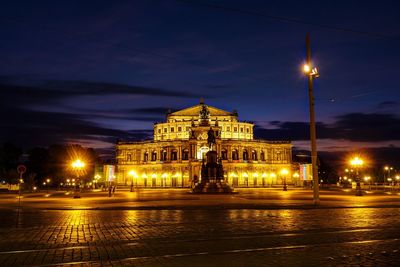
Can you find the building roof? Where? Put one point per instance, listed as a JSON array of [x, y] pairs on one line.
[[195, 110]]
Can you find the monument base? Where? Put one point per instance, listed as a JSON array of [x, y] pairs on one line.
[[213, 187]]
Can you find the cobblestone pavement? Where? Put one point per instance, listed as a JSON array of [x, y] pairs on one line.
[[202, 237]]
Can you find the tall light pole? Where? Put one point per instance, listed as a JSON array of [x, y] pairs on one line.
[[357, 162], [312, 73], [284, 173], [77, 166]]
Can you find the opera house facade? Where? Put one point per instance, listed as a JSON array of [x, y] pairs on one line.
[[174, 157]]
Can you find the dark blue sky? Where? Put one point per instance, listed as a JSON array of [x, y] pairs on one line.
[[93, 71]]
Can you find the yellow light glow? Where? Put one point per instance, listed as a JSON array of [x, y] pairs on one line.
[[133, 173], [78, 164], [386, 168], [296, 175], [48, 180], [68, 180], [255, 174], [272, 175], [356, 161], [397, 177], [264, 175], [164, 175], [306, 68], [284, 172], [245, 174]]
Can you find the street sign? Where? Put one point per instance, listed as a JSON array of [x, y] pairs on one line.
[[21, 169]]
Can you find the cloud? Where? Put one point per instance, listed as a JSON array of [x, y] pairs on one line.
[[40, 128], [388, 105], [361, 127], [21, 91]]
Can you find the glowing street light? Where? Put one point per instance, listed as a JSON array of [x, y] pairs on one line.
[[134, 175], [77, 166], [284, 173], [312, 73], [357, 163], [386, 176]]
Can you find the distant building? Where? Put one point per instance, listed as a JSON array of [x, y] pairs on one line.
[[173, 158]]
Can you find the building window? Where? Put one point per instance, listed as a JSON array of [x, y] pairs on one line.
[[253, 155], [159, 130], [154, 156], [235, 129], [241, 130], [172, 129], [224, 154], [174, 155], [235, 154], [164, 155], [187, 128], [262, 156], [247, 130], [146, 157], [165, 130], [185, 154], [228, 129], [129, 157], [179, 129], [245, 155]]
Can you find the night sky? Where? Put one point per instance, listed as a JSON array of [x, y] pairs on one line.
[[90, 72]]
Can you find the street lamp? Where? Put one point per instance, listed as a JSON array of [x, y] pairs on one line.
[[386, 177], [134, 175], [284, 173], [367, 179], [311, 73], [357, 162], [77, 166], [48, 184]]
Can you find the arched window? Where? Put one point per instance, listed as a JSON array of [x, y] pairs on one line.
[[185, 154], [174, 154], [146, 156], [235, 154], [154, 156], [262, 156], [224, 154], [245, 155], [164, 155], [253, 155], [129, 157]]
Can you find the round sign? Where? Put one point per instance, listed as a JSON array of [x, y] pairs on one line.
[[21, 169]]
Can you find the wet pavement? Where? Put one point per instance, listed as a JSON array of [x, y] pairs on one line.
[[210, 234]]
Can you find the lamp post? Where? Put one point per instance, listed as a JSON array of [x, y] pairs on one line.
[[311, 73], [77, 166], [357, 162], [368, 180], [48, 184], [134, 175], [284, 173], [386, 176]]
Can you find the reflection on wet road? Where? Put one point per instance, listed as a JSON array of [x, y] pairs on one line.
[[234, 237]]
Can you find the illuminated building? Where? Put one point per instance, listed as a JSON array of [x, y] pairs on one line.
[[173, 158]]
